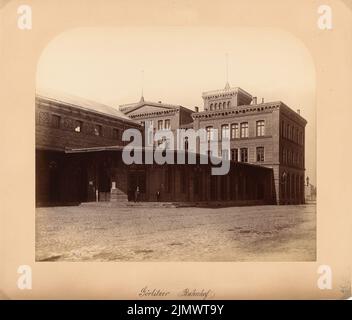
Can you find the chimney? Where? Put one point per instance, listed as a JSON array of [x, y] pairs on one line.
[[262, 100], [299, 111], [196, 109], [254, 101]]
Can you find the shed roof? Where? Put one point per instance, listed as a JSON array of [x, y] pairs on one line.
[[80, 102]]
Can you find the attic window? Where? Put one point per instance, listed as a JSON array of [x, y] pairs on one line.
[[78, 126], [55, 121], [115, 133], [97, 130]]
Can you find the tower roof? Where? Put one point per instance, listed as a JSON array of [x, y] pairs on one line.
[[225, 91]]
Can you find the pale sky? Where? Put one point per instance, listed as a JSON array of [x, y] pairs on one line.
[[105, 65]]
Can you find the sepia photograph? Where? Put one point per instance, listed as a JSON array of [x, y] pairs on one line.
[[242, 99], [190, 153]]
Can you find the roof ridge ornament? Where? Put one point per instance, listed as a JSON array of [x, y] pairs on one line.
[[227, 86], [142, 87]]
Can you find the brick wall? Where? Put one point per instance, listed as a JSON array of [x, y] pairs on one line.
[[55, 128]]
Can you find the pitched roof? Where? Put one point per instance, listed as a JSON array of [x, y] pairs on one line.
[[81, 103], [128, 108]]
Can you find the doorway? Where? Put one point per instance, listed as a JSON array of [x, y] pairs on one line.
[[136, 179]]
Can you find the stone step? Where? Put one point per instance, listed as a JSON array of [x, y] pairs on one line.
[[122, 199], [117, 195], [129, 204]]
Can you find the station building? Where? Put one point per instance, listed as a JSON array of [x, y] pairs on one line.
[[79, 151]]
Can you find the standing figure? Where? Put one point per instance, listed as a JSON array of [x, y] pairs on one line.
[[158, 196], [136, 194]]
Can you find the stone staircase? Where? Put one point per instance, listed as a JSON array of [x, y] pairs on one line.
[[116, 195]]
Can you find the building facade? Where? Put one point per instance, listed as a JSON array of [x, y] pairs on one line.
[[79, 151], [63, 123], [265, 134]]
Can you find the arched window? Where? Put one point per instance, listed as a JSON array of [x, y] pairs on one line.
[[211, 107], [215, 106], [228, 104]]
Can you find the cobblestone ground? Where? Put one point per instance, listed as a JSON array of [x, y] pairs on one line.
[[261, 233]]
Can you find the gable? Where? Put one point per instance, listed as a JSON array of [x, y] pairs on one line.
[[148, 109]]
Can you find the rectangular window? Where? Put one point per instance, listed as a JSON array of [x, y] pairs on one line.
[[97, 130], [260, 128], [149, 123], [260, 154], [234, 155], [244, 130], [55, 121], [244, 155], [78, 126], [115, 133], [234, 131], [209, 133], [225, 134], [160, 124], [225, 154], [167, 124]]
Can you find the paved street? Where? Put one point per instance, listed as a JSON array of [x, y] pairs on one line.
[[259, 233]]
